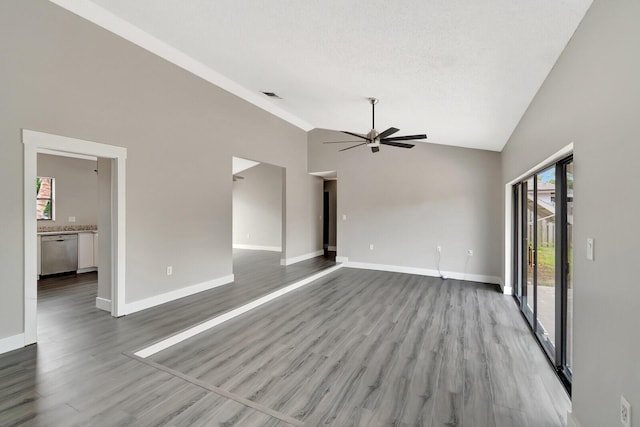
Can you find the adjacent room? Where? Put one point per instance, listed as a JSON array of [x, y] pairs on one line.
[[311, 213]]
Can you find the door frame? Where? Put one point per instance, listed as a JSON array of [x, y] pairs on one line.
[[34, 142], [508, 287]]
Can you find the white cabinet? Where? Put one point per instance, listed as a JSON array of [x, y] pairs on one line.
[[95, 250], [86, 251], [39, 252]]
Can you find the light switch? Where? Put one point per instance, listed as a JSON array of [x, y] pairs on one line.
[[590, 249]]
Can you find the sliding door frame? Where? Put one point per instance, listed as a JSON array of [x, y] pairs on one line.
[[557, 354]]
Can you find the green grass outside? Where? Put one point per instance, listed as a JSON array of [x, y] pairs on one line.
[[546, 266]]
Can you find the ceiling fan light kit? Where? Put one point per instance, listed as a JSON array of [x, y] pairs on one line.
[[373, 139]]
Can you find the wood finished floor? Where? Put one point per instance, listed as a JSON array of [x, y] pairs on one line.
[[371, 348], [356, 348]]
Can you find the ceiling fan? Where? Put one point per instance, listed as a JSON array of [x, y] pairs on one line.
[[373, 139]]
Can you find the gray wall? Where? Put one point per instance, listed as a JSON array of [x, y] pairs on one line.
[[76, 188], [63, 75], [257, 206], [406, 203], [332, 188], [592, 97]]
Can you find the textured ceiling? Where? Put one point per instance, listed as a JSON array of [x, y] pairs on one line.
[[462, 71]]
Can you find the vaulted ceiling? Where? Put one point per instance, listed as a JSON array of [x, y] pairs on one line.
[[462, 71]]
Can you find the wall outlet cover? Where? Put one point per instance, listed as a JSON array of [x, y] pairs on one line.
[[169, 270], [625, 412]]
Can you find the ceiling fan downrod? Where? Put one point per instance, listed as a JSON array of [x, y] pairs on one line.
[[373, 102]]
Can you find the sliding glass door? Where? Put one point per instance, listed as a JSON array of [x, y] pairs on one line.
[[542, 253]]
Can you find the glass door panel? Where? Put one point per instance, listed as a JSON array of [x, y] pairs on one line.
[[517, 240], [569, 245], [529, 247], [545, 264]]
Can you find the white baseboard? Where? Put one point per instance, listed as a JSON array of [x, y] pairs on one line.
[[572, 421], [11, 343], [424, 272], [86, 270], [103, 304], [342, 259], [143, 304], [258, 247], [289, 261]]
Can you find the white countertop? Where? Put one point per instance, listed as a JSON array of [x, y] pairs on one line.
[[50, 233]]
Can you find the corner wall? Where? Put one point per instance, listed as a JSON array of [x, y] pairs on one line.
[[592, 98], [407, 202], [257, 207], [76, 189]]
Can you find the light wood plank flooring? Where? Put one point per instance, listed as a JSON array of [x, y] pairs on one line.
[[355, 348]]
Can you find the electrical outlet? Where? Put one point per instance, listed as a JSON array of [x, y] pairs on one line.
[[439, 249], [72, 219], [625, 412], [344, 217], [169, 270], [371, 247], [470, 252], [248, 236]]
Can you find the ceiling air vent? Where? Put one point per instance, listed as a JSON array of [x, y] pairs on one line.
[[272, 95]]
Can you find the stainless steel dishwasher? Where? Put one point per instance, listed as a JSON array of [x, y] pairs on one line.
[[59, 253]]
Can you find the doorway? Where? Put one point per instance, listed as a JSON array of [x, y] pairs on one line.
[[257, 215], [543, 259], [329, 214], [40, 142]]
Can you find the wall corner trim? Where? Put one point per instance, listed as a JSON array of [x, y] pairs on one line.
[[293, 260], [424, 272], [11, 343], [572, 421], [156, 300], [103, 304]]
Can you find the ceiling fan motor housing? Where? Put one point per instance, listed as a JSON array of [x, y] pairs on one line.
[[373, 138]]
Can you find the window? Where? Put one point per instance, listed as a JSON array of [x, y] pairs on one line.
[[44, 198]]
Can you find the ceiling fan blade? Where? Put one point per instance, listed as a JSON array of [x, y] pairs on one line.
[[388, 132], [375, 149], [338, 142], [405, 138], [353, 146], [397, 144], [355, 134]]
